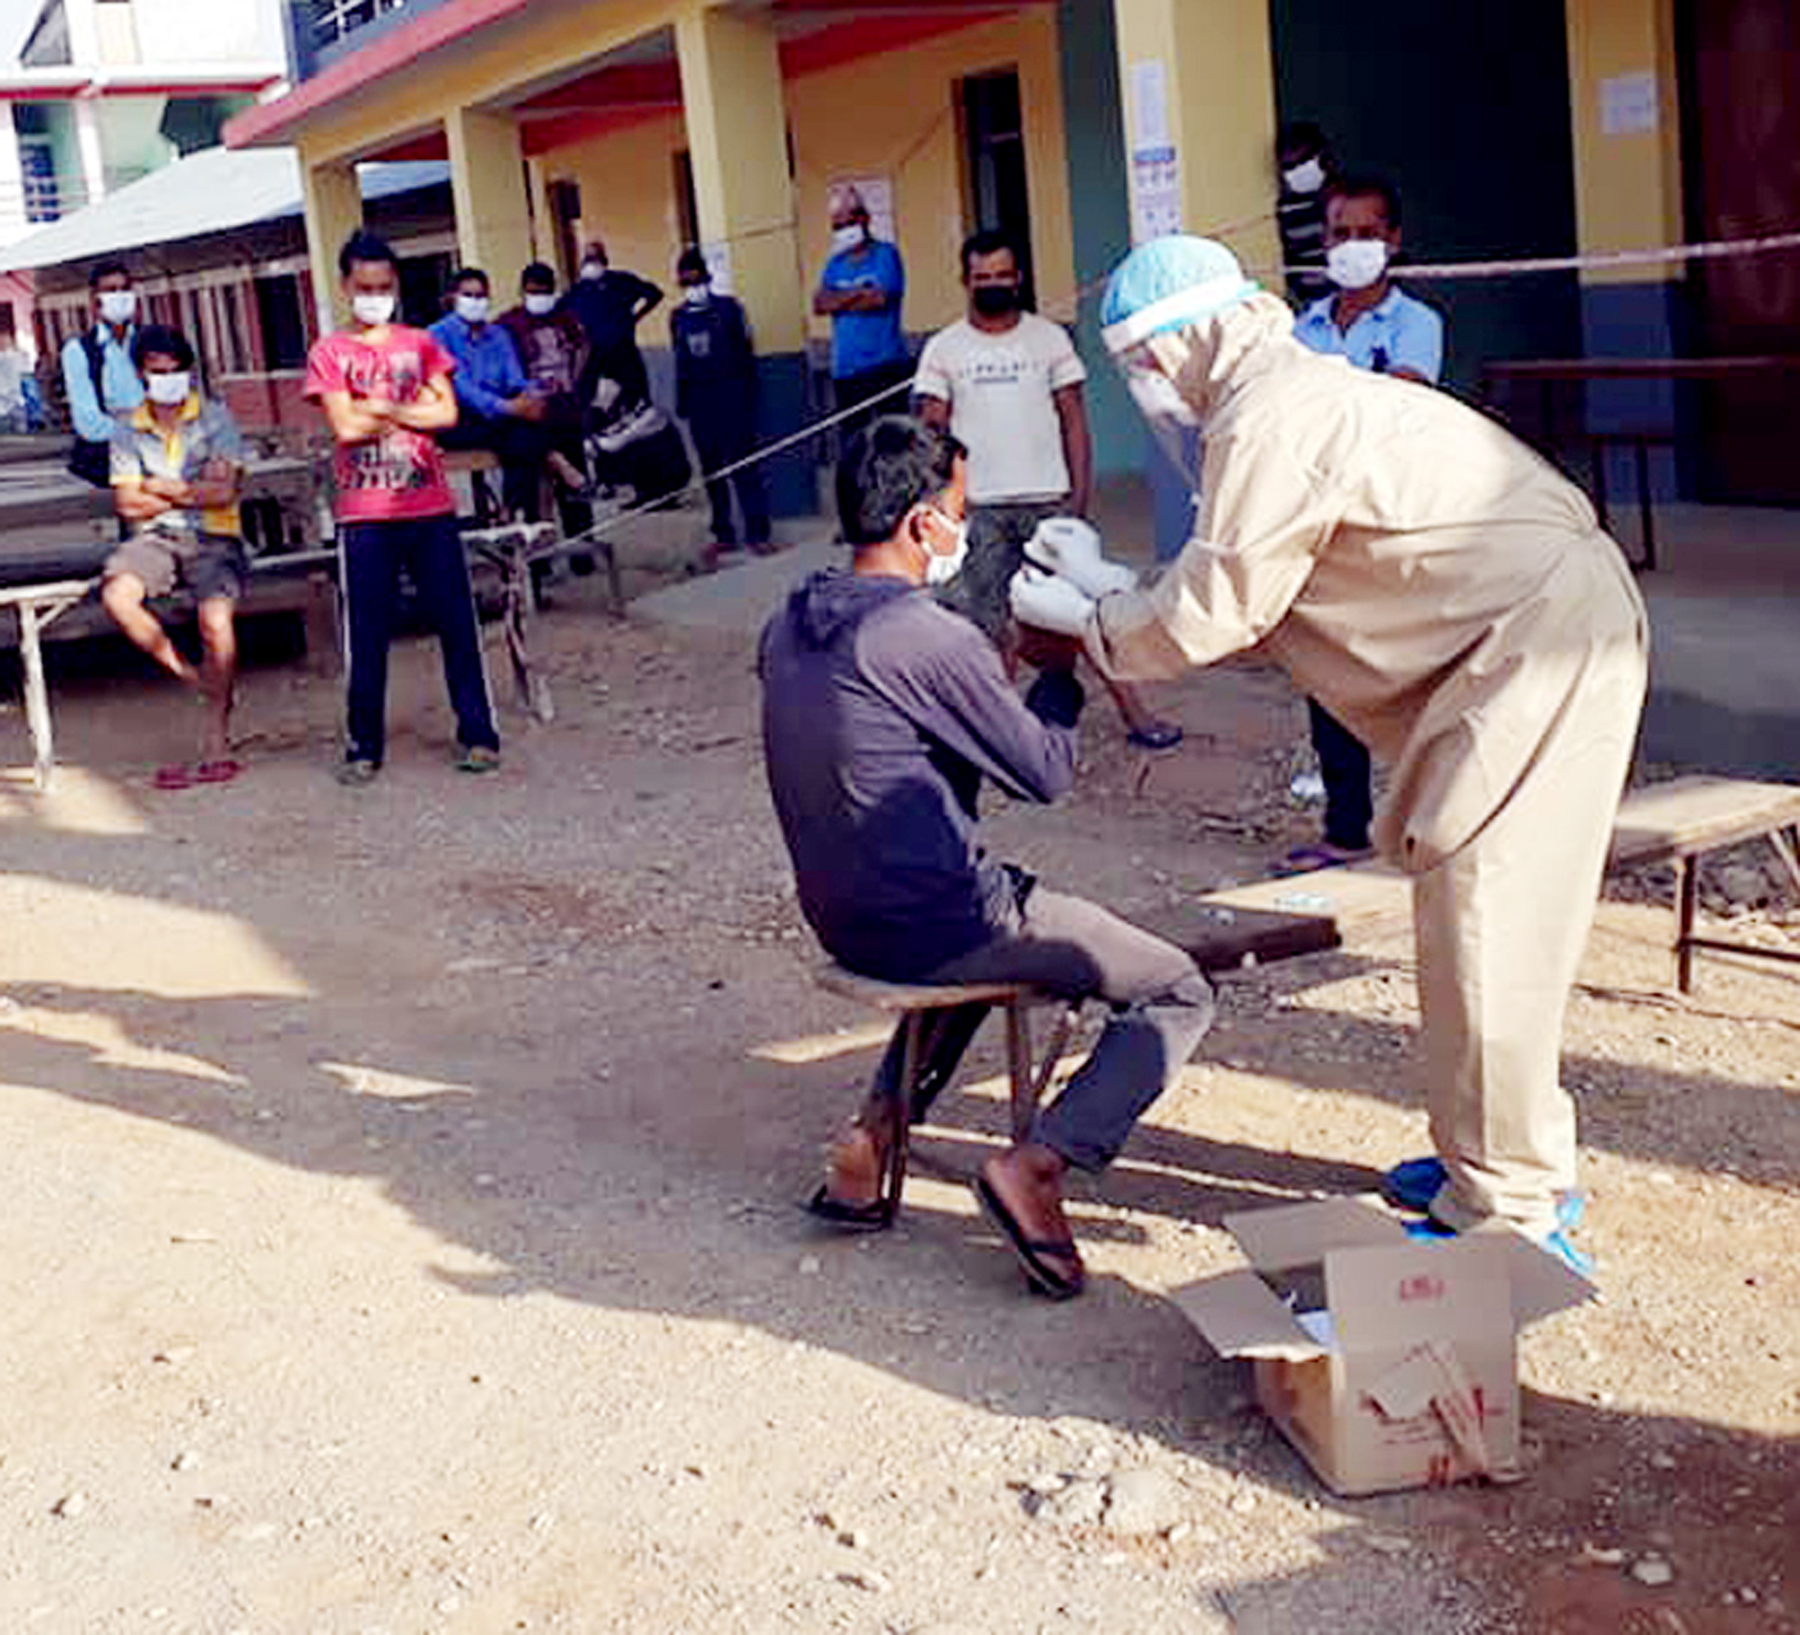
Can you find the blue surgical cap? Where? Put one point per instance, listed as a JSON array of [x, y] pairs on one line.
[[1166, 283]]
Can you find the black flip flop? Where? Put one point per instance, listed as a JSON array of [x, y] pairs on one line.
[[1042, 1277], [876, 1216]]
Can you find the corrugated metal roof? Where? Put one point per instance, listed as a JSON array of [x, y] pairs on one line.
[[212, 191]]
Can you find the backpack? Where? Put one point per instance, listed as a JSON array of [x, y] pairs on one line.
[[92, 462]]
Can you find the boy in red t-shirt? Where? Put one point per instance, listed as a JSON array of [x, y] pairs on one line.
[[386, 390]]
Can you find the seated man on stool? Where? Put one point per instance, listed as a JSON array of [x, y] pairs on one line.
[[498, 409], [882, 713]]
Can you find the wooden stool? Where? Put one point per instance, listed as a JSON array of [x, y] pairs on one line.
[[914, 1003]]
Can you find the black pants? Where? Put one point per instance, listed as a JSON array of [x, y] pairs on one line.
[[1344, 765], [430, 550], [721, 441], [519, 446], [865, 386], [563, 436]]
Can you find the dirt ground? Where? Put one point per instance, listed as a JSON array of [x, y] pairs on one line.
[[400, 1229]]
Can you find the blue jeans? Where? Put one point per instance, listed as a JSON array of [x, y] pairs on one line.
[[430, 550]]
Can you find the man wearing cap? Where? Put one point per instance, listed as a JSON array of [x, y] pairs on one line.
[[1452, 599]]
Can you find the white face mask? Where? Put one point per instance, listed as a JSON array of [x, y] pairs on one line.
[[118, 306], [593, 269], [1357, 262], [372, 310], [1158, 400], [540, 306], [1305, 178], [696, 295], [940, 570], [169, 388], [473, 309], [848, 238]]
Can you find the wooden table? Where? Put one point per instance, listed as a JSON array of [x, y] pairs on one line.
[[1545, 375]]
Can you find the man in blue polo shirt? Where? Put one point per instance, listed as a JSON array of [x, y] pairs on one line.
[[1378, 327], [1370, 320], [860, 291]]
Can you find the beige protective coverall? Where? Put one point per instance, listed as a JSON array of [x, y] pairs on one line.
[[1450, 597]]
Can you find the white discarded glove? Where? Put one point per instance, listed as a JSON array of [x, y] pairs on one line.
[[1048, 602], [1071, 548]]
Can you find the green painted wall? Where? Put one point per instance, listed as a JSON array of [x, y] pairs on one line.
[[1466, 109], [1101, 213]]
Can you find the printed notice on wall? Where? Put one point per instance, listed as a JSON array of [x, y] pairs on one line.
[[718, 262], [1155, 158], [1628, 104]]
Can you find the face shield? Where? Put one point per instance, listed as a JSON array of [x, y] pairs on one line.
[[1161, 288]]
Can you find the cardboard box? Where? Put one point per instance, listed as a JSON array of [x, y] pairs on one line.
[[1389, 1363]]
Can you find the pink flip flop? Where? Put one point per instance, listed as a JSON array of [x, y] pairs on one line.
[[217, 771], [173, 777]]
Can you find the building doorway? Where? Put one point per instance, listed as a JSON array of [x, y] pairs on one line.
[[991, 120], [1741, 133]]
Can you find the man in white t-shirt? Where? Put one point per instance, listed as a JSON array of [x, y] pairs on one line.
[[1008, 385]]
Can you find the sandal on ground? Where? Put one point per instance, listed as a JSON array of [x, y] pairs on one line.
[[221, 771], [1036, 1255], [1320, 854], [357, 774], [177, 776], [478, 758], [839, 1213], [875, 1214], [1155, 735]]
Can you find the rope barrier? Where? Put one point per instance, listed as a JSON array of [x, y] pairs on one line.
[[1067, 308]]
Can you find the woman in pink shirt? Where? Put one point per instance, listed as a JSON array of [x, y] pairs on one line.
[[385, 389]]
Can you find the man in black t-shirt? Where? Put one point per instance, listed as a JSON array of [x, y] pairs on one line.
[[609, 304], [715, 393]]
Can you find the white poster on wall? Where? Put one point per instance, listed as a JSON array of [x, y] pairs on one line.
[[1628, 104], [1155, 156]]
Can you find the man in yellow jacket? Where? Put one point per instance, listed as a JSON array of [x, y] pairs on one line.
[[1451, 598]]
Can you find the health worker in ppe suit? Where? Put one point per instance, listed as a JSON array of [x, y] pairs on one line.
[[1452, 599]]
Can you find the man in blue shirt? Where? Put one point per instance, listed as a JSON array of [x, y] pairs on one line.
[[1370, 320], [99, 378], [861, 291], [497, 407], [1378, 327]]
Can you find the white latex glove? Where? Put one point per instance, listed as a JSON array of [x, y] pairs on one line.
[[1047, 602], [1070, 547]]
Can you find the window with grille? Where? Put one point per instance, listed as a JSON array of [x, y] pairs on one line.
[[335, 20]]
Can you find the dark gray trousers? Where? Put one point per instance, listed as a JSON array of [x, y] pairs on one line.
[[1161, 1009]]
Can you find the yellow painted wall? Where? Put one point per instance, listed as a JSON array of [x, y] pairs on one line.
[[890, 116], [1220, 79], [1627, 187]]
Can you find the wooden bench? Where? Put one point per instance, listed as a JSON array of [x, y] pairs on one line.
[[38, 606], [1677, 822], [915, 1004]]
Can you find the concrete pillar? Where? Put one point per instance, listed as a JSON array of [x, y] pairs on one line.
[[92, 149], [489, 192], [333, 212], [737, 136], [1199, 90]]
